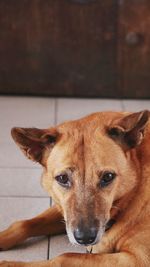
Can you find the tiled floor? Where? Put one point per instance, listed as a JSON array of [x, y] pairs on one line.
[[20, 193]]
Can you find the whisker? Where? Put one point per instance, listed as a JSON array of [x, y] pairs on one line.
[[115, 207], [63, 221]]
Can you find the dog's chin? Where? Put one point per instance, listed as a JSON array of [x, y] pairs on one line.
[[74, 242]]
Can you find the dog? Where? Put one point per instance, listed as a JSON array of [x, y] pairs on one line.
[[97, 170]]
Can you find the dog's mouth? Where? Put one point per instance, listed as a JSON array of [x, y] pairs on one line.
[[88, 236]]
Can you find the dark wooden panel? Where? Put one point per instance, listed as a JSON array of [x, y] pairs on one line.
[[58, 47], [134, 48]]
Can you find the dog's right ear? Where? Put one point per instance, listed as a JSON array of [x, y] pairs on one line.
[[35, 143]]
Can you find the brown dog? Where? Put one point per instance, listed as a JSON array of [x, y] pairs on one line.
[[97, 169]]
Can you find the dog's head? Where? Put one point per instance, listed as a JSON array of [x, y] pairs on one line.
[[88, 166]]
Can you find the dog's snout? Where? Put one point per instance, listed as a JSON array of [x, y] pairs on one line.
[[85, 236]]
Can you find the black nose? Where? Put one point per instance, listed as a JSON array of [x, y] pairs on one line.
[[86, 236]]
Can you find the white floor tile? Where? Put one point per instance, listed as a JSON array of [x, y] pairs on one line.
[[21, 182], [12, 209], [11, 156], [61, 244], [25, 112], [32, 250], [68, 109], [136, 105]]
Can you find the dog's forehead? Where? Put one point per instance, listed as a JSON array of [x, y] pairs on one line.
[[86, 135], [86, 130], [89, 123]]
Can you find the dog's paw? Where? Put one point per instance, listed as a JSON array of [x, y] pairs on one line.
[[103, 248], [5, 264], [6, 240], [12, 236]]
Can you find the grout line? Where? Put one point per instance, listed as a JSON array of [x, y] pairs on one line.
[[123, 105], [49, 239], [11, 196], [50, 202], [56, 109], [23, 167], [48, 248]]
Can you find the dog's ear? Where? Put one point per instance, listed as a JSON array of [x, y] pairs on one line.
[[129, 130], [35, 142]]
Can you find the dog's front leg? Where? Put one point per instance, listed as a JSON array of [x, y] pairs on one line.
[[25, 264], [123, 259], [49, 222]]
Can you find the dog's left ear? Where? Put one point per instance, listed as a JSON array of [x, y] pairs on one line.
[[129, 130], [35, 143]]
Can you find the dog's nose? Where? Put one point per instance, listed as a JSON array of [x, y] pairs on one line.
[[85, 237]]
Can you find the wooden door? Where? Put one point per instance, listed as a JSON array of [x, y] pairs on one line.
[[59, 47]]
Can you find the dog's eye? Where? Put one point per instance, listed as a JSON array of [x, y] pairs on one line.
[[63, 180], [107, 178]]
